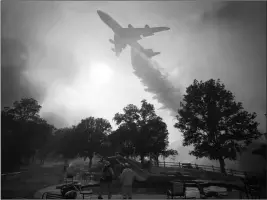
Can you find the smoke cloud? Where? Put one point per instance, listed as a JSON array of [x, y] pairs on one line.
[[31, 63]]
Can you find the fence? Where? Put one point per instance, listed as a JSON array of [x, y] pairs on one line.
[[206, 168]]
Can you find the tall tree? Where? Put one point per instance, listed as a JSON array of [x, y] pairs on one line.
[[26, 109], [169, 152], [90, 136], [24, 130], [64, 143], [214, 123], [142, 130]]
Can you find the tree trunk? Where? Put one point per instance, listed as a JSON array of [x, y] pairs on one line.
[[90, 161], [222, 165], [157, 160], [142, 159]]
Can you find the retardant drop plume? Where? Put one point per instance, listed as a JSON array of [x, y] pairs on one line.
[[156, 83]]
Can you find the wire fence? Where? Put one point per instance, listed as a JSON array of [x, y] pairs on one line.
[[206, 168]]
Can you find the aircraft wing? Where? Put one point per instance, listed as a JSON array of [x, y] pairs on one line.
[[136, 33], [118, 45]]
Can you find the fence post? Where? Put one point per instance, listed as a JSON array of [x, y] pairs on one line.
[[164, 163], [179, 165], [212, 167], [232, 172], [196, 166]]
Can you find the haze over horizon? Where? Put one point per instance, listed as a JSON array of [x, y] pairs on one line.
[[53, 52]]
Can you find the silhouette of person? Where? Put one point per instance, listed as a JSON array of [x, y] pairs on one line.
[[106, 180]]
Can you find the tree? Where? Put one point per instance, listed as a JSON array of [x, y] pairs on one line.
[[26, 109], [90, 136], [168, 152], [142, 130], [214, 123], [64, 143], [24, 131], [120, 140]]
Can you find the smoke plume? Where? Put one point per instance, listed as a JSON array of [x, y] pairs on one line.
[[155, 81]]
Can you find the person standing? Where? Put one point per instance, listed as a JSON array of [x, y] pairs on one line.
[[106, 180], [127, 177], [65, 166]]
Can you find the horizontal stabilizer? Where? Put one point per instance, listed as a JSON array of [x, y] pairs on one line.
[[150, 53]]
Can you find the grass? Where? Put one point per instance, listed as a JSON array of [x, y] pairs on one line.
[[34, 179]]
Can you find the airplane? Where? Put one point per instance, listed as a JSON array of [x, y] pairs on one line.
[[130, 35]]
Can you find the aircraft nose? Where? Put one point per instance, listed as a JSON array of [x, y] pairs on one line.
[[101, 14]]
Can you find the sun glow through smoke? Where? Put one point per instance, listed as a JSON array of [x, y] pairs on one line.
[[100, 74]]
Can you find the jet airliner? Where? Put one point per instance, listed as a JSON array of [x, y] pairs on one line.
[[130, 35]]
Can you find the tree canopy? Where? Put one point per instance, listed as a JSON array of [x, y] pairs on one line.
[[216, 125], [24, 132], [139, 126]]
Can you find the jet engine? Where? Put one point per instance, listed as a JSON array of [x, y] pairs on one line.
[[130, 26], [146, 26]]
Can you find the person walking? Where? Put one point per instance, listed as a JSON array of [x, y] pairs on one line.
[[106, 180], [127, 177]]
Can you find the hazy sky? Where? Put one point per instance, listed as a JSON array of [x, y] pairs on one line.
[[53, 51]]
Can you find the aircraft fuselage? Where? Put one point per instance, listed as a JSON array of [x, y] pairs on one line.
[[130, 35]]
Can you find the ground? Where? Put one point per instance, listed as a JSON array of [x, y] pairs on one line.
[[37, 179], [27, 183]]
